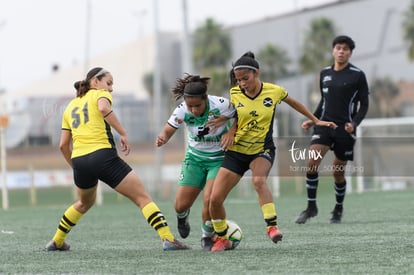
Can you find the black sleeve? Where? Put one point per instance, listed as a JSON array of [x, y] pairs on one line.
[[363, 101], [318, 111]]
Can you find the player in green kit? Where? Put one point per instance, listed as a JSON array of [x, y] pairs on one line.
[[207, 119]]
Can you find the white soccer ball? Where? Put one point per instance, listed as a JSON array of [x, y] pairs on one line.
[[234, 233]]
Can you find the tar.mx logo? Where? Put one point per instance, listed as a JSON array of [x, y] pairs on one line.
[[303, 154]]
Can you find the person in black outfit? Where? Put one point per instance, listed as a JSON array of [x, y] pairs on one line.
[[344, 100]]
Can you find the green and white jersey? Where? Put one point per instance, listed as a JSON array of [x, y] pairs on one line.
[[201, 142]]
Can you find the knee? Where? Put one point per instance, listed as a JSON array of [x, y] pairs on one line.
[[179, 206], [206, 202], [313, 166], [259, 184], [214, 202]]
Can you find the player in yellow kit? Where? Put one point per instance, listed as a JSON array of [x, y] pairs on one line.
[[250, 145], [88, 146]]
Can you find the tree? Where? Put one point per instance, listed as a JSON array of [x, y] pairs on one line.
[[317, 53], [408, 30], [211, 54], [219, 82], [273, 62], [212, 46], [383, 92], [317, 45]]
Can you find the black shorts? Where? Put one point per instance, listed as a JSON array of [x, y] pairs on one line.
[[104, 165], [239, 163], [338, 140]]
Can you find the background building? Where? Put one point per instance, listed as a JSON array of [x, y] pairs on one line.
[[375, 25], [36, 110]]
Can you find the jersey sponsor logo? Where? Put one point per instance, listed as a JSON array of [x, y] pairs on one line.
[[327, 78], [267, 102], [253, 113], [202, 132], [191, 120], [211, 116], [252, 126]]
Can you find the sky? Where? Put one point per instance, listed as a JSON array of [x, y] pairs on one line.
[[35, 35]]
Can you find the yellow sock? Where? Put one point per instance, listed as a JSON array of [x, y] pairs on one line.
[[220, 226], [157, 220], [69, 219], [269, 214]]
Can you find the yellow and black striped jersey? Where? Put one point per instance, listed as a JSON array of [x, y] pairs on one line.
[[89, 130], [255, 118]]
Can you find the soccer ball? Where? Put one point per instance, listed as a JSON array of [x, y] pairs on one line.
[[234, 233]]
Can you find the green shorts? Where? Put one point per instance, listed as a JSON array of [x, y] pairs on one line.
[[195, 171]]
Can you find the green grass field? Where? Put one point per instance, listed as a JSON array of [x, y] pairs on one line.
[[376, 237]]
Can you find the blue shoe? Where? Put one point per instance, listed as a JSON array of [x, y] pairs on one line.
[[175, 245], [51, 246]]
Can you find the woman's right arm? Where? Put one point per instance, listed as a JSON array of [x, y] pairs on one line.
[[110, 117], [165, 135]]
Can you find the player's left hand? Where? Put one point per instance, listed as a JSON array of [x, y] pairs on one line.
[[349, 127], [125, 145], [227, 140]]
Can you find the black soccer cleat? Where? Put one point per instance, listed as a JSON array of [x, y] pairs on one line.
[[306, 215], [183, 226], [336, 216]]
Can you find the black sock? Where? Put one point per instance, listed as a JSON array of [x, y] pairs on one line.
[[312, 188], [340, 190]]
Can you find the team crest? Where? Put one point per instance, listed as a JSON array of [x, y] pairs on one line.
[[268, 102]]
